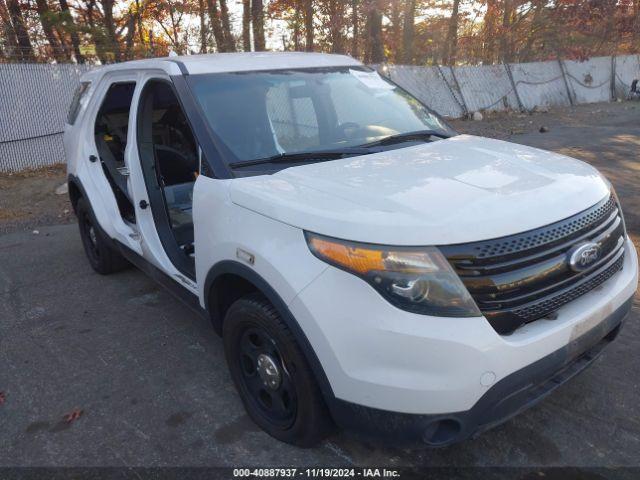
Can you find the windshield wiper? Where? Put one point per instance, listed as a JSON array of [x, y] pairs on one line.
[[407, 136], [304, 157]]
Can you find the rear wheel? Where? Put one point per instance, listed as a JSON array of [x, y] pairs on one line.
[[275, 382], [102, 257]]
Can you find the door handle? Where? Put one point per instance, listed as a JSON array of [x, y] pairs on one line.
[[143, 204]]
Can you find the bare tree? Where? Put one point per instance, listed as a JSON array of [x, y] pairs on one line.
[[174, 12]]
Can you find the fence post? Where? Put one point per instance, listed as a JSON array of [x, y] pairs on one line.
[[566, 82], [507, 67], [461, 104], [613, 78], [455, 80]]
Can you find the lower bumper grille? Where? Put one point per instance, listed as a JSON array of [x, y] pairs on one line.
[[521, 281]]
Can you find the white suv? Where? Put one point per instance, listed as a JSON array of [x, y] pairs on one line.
[[365, 265]]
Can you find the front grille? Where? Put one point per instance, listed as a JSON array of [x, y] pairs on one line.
[[524, 277]]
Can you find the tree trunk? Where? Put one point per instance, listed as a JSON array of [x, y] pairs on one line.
[[297, 21], [489, 32], [257, 20], [375, 49], [204, 31], [308, 25], [70, 26], [536, 22], [110, 27], [230, 44], [131, 31], [96, 32], [11, 48], [216, 25], [336, 16], [506, 47], [636, 22], [451, 42], [408, 32], [246, 25], [22, 36], [396, 31], [45, 16], [355, 51]]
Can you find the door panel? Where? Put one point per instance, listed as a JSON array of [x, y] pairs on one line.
[[110, 133], [168, 156]]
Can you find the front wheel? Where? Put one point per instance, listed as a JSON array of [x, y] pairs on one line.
[[275, 382]]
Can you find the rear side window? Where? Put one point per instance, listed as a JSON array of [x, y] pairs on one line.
[[76, 102]]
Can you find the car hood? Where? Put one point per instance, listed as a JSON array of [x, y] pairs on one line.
[[457, 190]]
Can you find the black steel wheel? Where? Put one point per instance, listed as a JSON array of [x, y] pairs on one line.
[[271, 374], [265, 377]]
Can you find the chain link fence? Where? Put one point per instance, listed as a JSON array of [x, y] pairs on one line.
[[35, 97]]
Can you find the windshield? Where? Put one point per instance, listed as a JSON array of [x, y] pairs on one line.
[[259, 115]]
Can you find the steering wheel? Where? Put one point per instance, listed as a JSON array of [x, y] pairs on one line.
[[348, 130]]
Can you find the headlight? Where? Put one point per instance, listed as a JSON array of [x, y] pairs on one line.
[[418, 280]]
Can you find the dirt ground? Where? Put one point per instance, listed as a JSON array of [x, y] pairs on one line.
[[28, 199], [503, 125]]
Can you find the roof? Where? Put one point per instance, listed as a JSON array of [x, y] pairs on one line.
[[234, 62], [239, 62]]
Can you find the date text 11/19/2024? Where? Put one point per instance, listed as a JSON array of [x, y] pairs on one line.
[[315, 473]]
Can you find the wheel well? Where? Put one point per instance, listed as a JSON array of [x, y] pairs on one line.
[[226, 289], [74, 194]]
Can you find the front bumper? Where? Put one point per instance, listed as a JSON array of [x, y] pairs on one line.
[[507, 398], [416, 368]]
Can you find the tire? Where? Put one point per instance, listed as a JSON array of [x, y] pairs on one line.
[[295, 411], [102, 257]]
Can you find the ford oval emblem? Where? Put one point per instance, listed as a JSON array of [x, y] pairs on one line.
[[583, 256]]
